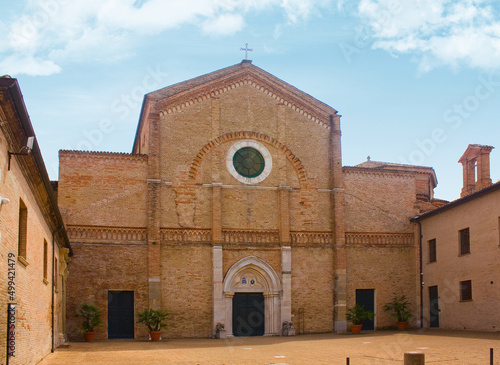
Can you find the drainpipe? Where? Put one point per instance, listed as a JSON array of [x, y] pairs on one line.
[[421, 279], [53, 288]]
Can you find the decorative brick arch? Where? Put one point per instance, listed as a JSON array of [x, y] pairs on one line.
[[228, 137]]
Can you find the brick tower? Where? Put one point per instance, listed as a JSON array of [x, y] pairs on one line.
[[476, 167]]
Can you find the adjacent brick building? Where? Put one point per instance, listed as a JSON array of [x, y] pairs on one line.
[[34, 247], [234, 208], [461, 252]]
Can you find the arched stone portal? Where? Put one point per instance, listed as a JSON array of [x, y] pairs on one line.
[[254, 275]]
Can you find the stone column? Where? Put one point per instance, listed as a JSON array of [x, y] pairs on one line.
[[229, 314], [272, 314], [286, 282], [219, 302]]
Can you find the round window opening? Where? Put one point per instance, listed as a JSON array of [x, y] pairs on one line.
[[248, 162]]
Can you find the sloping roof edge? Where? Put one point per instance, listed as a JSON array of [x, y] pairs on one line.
[[182, 86], [458, 202], [15, 91]]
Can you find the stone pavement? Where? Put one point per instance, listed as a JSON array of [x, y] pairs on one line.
[[379, 347]]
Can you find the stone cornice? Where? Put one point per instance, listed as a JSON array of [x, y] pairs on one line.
[[368, 239]]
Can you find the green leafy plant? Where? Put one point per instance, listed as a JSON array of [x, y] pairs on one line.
[[399, 307], [153, 319], [358, 314], [91, 317]]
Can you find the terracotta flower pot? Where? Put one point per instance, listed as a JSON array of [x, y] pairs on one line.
[[155, 335], [89, 336], [356, 329], [402, 326]]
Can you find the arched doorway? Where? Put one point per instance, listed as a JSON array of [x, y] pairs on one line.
[[253, 305]]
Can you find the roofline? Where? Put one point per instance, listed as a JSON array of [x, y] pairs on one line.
[[245, 64], [139, 125], [458, 202], [15, 92], [431, 170]]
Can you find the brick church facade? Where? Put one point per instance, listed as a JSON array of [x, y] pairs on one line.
[[234, 208]]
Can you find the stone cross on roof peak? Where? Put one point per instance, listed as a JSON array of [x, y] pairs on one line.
[[246, 49]]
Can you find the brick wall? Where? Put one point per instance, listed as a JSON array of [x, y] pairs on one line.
[[102, 189], [379, 201], [482, 216], [186, 284], [312, 289], [32, 294], [97, 268]]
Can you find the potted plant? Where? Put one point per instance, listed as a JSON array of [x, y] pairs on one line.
[[91, 319], [153, 319], [399, 307], [357, 315]]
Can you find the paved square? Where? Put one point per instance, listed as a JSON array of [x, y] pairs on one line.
[[380, 347]]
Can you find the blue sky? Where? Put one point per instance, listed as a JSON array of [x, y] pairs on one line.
[[415, 81]]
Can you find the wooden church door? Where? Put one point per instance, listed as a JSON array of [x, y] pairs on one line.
[[248, 314]]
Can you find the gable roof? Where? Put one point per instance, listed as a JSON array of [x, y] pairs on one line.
[[177, 96]]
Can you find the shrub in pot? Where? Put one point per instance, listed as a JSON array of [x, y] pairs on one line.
[[91, 318], [399, 307], [153, 319], [357, 315]]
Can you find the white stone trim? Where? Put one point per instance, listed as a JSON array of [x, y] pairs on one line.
[[268, 161], [268, 283]]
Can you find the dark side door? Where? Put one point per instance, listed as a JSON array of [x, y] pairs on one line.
[[120, 314], [366, 298]]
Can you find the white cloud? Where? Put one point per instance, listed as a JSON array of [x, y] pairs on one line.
[[51, 32], [28, 65], [302, 9], [438, 32], [224, 24]]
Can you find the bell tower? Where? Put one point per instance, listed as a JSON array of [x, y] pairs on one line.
[[476, 167]]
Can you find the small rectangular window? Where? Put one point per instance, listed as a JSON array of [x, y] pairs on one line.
[[432, 250], [23, 229], [466, 290], [45, 259], [464, 241]]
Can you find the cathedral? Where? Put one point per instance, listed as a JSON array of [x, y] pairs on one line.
[[234, 209]]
